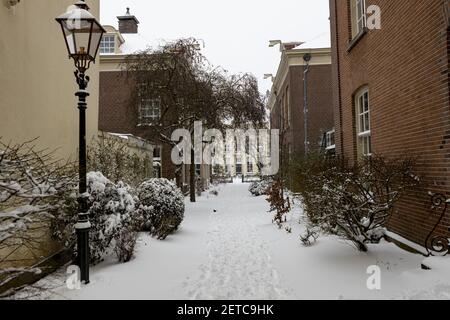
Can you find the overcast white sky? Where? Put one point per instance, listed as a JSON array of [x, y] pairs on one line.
[[235, 32]]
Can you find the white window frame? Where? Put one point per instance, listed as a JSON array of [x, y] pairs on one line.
[[328, 140], [360, 15], [364, 133], [149, 110], [107, 40]]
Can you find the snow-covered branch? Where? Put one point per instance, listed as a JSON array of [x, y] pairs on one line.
[[354, 202], [33, 188]]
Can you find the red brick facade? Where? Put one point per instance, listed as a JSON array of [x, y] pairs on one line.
[[405, 67], [118, 114], [320, 115]]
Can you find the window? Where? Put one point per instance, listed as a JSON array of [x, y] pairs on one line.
[[288, 107], [329, 139], [149, 111], [363, 123], [358, 11], [247, 145], [285, 109], [198, 169], [249, 167], [157, 152], [107, 45]]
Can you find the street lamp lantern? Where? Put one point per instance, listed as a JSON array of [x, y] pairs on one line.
[[82, 34]]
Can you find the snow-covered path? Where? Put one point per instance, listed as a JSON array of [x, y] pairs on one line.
[[227, 248], [239, 262]]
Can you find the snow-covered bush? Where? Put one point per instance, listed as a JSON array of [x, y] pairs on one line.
[[309, 237], [125, 243], [353, 202], [113, 159], [161, 207], [279, 203], [259, 188], [33, 186], [112, 209]]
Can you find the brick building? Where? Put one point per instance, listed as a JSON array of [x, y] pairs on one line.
[[391, 95], [287, 100], [117, 112]]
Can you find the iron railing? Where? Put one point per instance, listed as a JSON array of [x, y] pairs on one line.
[[436, 243]]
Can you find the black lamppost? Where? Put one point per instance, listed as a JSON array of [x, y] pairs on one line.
[[82, 33]]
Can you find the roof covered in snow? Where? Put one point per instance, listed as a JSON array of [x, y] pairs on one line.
[[135, 42]]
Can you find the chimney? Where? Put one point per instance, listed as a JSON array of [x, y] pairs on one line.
[[128, 23]]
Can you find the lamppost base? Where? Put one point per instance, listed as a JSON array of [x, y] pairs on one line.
[[82, 230]]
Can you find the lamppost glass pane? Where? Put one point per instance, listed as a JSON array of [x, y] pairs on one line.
[[96, 38], [82, 33]]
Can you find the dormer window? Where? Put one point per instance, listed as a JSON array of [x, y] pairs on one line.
[[108, 44]]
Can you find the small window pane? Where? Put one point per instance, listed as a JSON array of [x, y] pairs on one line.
[[366, 101], [366, 122], [360, 103]]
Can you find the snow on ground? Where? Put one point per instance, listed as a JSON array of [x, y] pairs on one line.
[[227, 248]]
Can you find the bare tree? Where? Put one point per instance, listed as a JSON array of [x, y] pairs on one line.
[[190, 89]]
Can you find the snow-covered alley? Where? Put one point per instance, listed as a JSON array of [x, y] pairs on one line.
[[227, 248]]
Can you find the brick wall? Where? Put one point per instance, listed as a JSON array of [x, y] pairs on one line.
[[405, 66], [118, 113], [320, 118], [128, 25]]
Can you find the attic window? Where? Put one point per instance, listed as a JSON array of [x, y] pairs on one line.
[[108, 45]]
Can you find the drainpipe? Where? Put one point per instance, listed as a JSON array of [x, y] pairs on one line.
[[338, 65], [307, 59]]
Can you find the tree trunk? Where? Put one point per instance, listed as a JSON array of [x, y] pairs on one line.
[[178, 173], [192, 177], [361, 246]]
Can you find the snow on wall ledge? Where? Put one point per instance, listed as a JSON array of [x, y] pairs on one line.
[[407, 242]]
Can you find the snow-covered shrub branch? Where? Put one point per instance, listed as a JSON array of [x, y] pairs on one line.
[[259, 188], [279, 203], [161, 207], [114, 160], [33, 186], [112, 210], [353, 202]]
